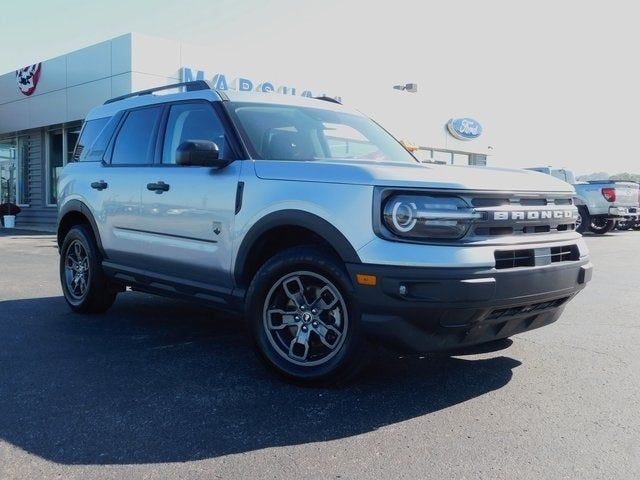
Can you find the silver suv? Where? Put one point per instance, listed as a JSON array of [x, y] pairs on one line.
[[315, 223]]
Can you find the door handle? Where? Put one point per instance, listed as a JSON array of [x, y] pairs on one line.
[[101, 185], [158, 187]]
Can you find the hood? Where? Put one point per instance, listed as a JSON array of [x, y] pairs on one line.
[[418, 175]]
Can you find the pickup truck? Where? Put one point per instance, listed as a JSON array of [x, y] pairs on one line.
[[601, 203]]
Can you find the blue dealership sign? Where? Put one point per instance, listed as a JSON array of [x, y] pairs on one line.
[[464, 128], [221, 81]]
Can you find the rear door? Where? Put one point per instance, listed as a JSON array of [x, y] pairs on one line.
[[188, 222], [118, 183]]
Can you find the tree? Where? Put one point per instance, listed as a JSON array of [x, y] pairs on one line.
[[626, 176]]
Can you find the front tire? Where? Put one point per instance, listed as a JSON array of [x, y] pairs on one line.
[[86, 289], [304, 317]]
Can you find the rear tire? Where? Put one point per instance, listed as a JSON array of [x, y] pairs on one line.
[[86, 289], [304, 317], [601, 226]]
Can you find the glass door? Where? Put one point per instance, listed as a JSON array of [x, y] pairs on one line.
[[8, 170]]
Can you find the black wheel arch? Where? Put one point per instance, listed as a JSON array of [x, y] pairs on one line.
[[75, 212], [298, 220]]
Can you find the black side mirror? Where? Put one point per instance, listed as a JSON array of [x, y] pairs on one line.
[[200, 153]]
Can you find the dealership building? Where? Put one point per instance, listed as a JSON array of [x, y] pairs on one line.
[[42, 107]]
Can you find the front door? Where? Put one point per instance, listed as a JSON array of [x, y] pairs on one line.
[[187, 212]]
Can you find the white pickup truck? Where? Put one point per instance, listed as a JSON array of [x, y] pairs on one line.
[[601, 203]]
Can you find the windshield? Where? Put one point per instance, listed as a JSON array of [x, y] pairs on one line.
[[283, 132]]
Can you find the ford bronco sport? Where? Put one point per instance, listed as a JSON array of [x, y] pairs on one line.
[[315, 223]]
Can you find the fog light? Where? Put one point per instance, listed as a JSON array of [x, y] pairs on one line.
[[403, 290]]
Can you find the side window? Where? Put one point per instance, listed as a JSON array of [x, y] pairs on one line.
[[135, 143], [90, 132], [192, 121]]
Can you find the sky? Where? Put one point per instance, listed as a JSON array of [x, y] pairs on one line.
[[552, 82]]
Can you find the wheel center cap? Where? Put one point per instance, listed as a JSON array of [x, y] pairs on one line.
[[306, 317]]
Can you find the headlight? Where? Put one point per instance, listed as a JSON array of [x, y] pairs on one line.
[[423, 217]]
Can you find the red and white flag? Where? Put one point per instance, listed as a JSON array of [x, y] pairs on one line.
[[27, 78]]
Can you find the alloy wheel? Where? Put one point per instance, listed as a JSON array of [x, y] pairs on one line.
[[76, 270], [305, 318]]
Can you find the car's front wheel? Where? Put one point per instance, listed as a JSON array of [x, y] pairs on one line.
[[85, 287], [304, 318]]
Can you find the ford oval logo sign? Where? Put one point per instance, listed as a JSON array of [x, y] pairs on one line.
[[464, 128]]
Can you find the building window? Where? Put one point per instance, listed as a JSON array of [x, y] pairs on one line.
[[460, 159], [22, 187], [54, 165], [478, 159], [14, 174], [72, 138], [60, 145], [441, 156]]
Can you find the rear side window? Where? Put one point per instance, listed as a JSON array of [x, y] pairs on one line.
[[135, 143], [88, 136], [192, 121]]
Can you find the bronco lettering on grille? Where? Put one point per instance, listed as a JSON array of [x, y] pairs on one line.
[[534, 215]]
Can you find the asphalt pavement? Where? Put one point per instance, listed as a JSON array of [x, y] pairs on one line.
[[159, 388]]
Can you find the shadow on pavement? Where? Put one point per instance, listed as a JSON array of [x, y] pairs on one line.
[[157, 380]]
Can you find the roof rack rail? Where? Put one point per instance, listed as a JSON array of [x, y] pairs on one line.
[[188, 86], [328, 99]]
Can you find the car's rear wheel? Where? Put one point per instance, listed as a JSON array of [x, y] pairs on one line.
[[86, 289], [304, 318], [601, 225]]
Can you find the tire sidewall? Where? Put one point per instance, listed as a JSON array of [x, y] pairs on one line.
[[312, 260], [80, 233]]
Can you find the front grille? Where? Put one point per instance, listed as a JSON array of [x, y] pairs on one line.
[[524, 309], [535, 257], [502, 231], [490, 202], [522, 215], [523, 201]]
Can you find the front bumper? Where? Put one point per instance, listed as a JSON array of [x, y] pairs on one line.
[[419, 309]]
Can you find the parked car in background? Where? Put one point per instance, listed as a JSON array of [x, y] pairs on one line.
[[601, 203], [629, 224]]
